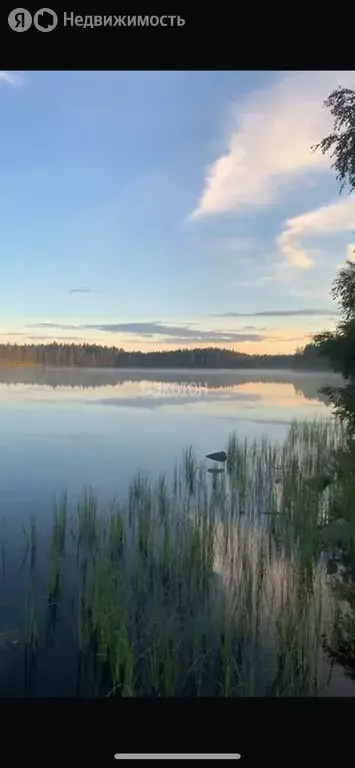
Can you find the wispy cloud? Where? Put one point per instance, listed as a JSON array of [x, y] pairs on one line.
[[281, 313], [39, 336], [328, 220], [11, 78], [179, 334], [84, 289], [154, 335], [212, 338], [271, 144], [252, 328], [68, 339], [282, 339]]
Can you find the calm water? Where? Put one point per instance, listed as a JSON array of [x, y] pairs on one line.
[[70, 428], [73, 428]]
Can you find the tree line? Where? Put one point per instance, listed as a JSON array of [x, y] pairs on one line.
[[97, 356], [338, 347]]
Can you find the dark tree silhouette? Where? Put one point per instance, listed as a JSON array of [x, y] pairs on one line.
[[340, 144], [95, 356], [339, 346]]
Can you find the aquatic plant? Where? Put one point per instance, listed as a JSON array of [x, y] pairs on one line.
[[197, 588]]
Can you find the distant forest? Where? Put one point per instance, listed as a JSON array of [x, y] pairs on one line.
[[91, 355]]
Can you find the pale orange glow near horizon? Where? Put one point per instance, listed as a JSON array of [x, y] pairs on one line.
[[280, 342]]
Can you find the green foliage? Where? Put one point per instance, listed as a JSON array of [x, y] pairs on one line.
[[341, 142], [309, 358], [339, 346], [344, 290]]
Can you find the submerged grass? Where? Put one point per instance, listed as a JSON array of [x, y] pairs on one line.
[[30, 643], [201, 587]]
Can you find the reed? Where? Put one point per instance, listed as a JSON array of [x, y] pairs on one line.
[[201, 588]]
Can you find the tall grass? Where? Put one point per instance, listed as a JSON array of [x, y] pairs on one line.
[[205, 586], [30, 643]]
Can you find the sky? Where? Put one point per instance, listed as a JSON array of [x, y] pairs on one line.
[[155, 210]]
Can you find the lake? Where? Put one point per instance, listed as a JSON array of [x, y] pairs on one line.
[[63, 429], [70, 429]]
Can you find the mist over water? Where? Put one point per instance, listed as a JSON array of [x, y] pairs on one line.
[[71, 428]]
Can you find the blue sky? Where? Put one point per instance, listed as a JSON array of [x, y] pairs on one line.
[[160, 209]]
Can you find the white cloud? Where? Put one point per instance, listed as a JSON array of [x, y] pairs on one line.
[[351, 252], [275, 129], [11, 78], [327, 220]]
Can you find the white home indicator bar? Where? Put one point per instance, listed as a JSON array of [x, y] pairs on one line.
[[177, 757]]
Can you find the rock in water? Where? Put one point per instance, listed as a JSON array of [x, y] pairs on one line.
[[219, 456]]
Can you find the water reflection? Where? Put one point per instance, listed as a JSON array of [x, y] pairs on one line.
[[298, 383], [260, 397], [71, 428], [74, 441]]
